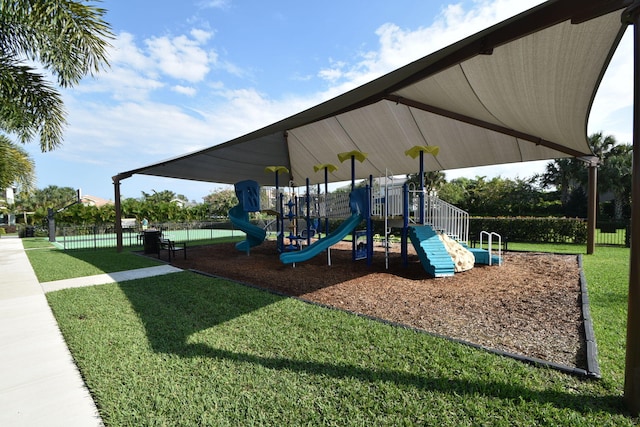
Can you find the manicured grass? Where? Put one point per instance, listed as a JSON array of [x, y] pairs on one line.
[[560, 248], [36, 243], [185, 349], [56, 264], [607, 274]]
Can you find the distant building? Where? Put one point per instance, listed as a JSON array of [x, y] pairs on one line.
[[7, 198], [178, 202], [88, 200]]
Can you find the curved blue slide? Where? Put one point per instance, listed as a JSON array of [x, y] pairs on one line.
[[320, 245], [255, 235]]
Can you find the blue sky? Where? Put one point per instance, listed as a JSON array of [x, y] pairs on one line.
[[191, 74]]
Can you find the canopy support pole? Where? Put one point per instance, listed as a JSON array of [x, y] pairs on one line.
[[592, 208], [118, 207], [421, 187], [632, 362], [118, 219]]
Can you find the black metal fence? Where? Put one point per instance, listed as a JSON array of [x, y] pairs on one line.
[[104, 236], [613, 233], [609, 233]]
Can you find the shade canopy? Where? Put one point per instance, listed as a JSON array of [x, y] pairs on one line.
[[518, 91]]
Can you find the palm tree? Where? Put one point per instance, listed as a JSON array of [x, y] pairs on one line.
[[566, 175], [616, 176], [600, 145], [570, 175], [16, 167], [69, 39]]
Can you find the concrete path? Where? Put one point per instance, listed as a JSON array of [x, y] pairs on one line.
[[40, 384], [102, 279]]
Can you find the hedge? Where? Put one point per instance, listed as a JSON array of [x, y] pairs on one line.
[[518, 229], [534, 230]]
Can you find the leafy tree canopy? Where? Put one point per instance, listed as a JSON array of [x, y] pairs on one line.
[[68, 39], [221, 201], [163, 196], [16, 167]]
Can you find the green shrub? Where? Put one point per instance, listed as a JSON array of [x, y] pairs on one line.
[[534, 230]]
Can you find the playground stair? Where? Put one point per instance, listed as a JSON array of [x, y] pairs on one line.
[[432, 253]]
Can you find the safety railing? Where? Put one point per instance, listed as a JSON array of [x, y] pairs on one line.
[[447, 218], [489, 236], [442, 216]]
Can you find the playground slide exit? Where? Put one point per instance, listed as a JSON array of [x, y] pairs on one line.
[[320, 245], [255, 235]]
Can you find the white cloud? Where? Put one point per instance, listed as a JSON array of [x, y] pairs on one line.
[[180, 57], [126, 52], [137, 71], [201, 36], [333, 74], [184, 90], [214, 4]]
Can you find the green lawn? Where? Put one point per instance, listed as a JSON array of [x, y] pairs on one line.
[[54, 264], [51, 263], [185, 349]]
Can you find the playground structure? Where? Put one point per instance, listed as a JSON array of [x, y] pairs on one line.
[[438, 231], [248, 194]]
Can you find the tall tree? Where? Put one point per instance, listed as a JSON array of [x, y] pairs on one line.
[[220, 201], [615, 176], [16, 167], [163, 196], [433, 181], [570, 176], [68, 39], [565, 175], [601, 145]]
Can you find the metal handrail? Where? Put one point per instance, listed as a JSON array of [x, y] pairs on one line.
[[489, 244], [442, 216]]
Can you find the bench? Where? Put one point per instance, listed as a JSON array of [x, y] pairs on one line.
[[171, 247]]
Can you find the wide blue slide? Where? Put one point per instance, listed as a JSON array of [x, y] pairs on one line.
[[320, 245], [255, 235]]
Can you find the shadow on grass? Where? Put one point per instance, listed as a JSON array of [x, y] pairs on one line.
[[173, 308]]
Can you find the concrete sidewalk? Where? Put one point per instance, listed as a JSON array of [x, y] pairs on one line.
[[40, 384], [102, 279]]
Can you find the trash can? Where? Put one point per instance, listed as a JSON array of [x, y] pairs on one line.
[[151, 241], [30, 231]]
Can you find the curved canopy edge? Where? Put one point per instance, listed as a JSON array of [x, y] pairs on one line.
[[518, 91]]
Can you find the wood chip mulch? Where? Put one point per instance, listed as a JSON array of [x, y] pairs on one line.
[[529, 306]]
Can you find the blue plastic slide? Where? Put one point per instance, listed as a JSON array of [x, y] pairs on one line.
[[320, 245], [240, 219]]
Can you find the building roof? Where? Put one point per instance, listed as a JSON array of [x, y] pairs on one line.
[[94, 201]]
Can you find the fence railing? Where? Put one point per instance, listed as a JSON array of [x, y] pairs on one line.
[[613, 233], [104, 236], [438, 213], [445, 217]]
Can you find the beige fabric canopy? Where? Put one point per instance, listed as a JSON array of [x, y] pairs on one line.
[[516, 92]]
